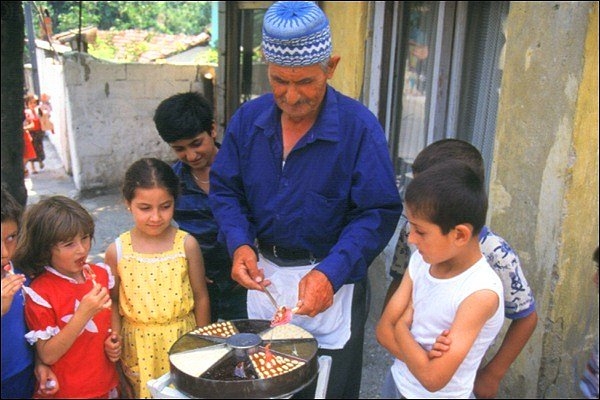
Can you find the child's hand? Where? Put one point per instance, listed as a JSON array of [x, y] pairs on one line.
[[48, 383], [127, 391], [441, 345], [96, 300], [112, 346], [11, 284]]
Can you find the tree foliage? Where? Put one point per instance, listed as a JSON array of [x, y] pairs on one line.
[[170, 17]]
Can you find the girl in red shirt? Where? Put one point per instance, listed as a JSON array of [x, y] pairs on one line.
[[68, 314]]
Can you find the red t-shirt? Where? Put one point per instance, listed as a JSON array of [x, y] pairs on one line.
[[84, 371], [33, 116]]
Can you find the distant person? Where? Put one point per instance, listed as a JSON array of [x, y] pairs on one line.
[[46, 114], [34, 125], [589, 381], [69, 316], [46, 26], [449, 289], [185, 121], [28, 152], [304, 192], [18, 377], [160, 291], [519, 303]]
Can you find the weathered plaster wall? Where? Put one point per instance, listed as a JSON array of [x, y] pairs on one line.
[[51, 79], [348, 23], [574, 311], [544, 185], [109, 109]]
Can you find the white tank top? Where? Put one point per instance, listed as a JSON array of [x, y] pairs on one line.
[[436, 302]]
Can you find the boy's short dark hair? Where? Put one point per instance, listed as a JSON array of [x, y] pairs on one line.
[[183, 116], [11, 209], [449, 149], [448, 194]]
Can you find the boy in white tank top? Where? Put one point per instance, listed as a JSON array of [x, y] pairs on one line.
[[450, 305]]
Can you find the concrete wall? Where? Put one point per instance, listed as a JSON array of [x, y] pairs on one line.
[[108, 110], [52, 82], [544, 185]]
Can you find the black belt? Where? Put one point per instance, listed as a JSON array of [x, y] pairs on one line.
[[286, 257]]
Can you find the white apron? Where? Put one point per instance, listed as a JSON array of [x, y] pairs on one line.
[[330, 328]]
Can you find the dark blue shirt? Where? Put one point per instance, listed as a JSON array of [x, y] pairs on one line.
[[335, 196], [17, 354], [193, 215]]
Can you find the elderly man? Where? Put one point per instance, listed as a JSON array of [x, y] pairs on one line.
[[304, 193]]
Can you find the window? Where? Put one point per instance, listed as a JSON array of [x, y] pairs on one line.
[[243, 75], [440, 75]]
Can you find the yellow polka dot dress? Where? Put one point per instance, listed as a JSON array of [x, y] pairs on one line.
[[156, 305]]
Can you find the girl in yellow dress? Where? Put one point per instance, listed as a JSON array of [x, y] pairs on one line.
[[160, 286]]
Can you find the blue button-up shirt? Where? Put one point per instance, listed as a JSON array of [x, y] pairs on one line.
[[335, 194]]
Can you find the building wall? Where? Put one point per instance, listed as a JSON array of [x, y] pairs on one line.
[[544, 185], [51, 79], [348, 22], [108, 110]]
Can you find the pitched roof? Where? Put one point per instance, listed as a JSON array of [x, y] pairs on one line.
[[151, 46]]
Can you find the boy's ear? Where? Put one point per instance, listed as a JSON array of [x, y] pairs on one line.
[[463, 233]]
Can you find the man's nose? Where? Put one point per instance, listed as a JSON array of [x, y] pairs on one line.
[[291, 95]]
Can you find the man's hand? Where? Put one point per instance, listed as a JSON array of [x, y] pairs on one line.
[[315, 294], [245, 270]]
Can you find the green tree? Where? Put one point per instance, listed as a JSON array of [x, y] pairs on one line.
[[170, 17]]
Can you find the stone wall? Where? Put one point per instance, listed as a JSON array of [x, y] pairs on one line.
[[103, 113]]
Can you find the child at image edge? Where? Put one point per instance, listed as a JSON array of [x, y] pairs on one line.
[[18, 378], [68, 312], [160, 284], [589, 381], [448, 292], [519, 301]]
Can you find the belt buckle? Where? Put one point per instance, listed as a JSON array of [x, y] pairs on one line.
[[275, 251], [312, 259]]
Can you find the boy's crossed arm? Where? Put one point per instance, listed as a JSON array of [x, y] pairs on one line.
[[434, 368]]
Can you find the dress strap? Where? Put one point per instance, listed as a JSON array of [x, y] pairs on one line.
[[179, 245], [119, 248], [123, 243]]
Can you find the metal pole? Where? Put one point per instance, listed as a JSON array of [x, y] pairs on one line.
[[31, 47]]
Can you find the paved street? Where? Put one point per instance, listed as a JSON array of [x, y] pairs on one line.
[[112, 218]]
